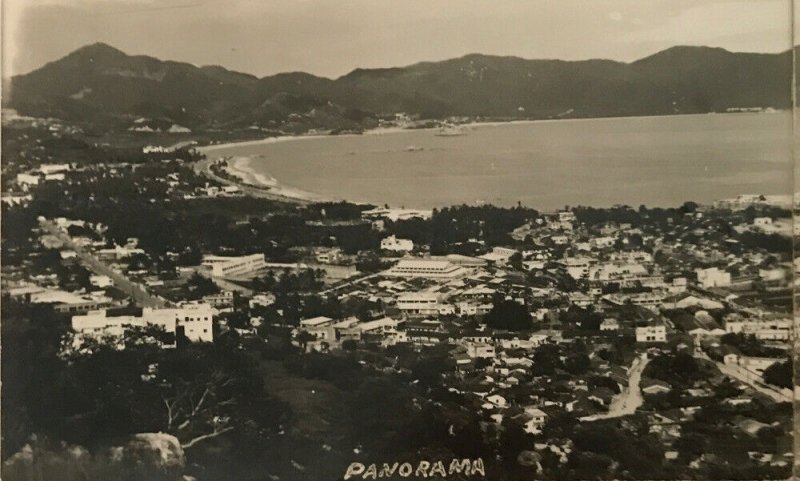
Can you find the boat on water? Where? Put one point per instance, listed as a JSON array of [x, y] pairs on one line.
[[451, 131]]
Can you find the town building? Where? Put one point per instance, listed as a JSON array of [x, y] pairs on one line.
[[195, 321], [419, 303], [224, 266], [394, 244], [426, 269], [713, 277], [654, 333], [480, 350], [609, 324]]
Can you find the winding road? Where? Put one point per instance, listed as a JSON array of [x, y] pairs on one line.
[[626, 402], [138, 292]]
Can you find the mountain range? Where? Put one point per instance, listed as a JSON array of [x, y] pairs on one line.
[[98, 83]]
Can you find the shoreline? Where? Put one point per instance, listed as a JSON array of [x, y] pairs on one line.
[[262, 184], [474, 124], [240, 167]]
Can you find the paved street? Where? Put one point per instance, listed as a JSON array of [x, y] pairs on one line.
[[139, 293], [626, 402], [754, 381], [744, 376]]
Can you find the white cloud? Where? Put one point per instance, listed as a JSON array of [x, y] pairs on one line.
[[615, 16], [709, 24]]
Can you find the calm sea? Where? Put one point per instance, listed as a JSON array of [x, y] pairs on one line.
[[660, 161]]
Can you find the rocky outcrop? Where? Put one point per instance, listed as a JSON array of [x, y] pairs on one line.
[[144, 456]]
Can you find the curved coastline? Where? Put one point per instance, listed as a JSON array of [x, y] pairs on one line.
[[252, 183], [259, 183]]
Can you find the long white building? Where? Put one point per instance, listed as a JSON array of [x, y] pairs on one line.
[[226, 266], [425, 268], [195, 321]]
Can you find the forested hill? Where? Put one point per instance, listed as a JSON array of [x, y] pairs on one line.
[[99, 83]]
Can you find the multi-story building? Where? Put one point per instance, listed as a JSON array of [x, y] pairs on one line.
[[654, 333], [420, 303], [425, 268], [713, 277], [195, 321], [224, 266], [392, 243]]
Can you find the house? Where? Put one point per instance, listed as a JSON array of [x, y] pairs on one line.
[[497, 400], [538, 419], [378, 326], [480, 350], [684, 302], [329, 256], [653, 333], [101, 281], [263, 300], [577, 267], [609, 324], [602, 395], [320, 327], [655, 386], [394, 244], [499, 255], [713, 277], [195, 321], [47, 169], [25, 180], [220, 300], [419, 303]]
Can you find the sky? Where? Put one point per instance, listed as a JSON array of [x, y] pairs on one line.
[[333, 37]]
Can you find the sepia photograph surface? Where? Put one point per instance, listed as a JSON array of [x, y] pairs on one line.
[[320, 240]]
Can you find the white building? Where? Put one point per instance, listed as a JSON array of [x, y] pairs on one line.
[[537, 420], [316, 322], [263, 300], [195, 321], [394, 244], [425, 268], [609, 324], [225, 266], [764, 329], [27, 179], [480, 350], [419, 303], [320, 327], [577, 267], [329, 256], [499, 255], [48, 169], [656, 333], [101, 281], [378, 326], [713, 277]]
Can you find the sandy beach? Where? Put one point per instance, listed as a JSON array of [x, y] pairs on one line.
[[241, 167]]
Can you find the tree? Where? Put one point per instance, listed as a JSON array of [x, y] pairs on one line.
[[304, 337], [200, 286], [779, 374], [509, 316], [691, 445], [577, 363]]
